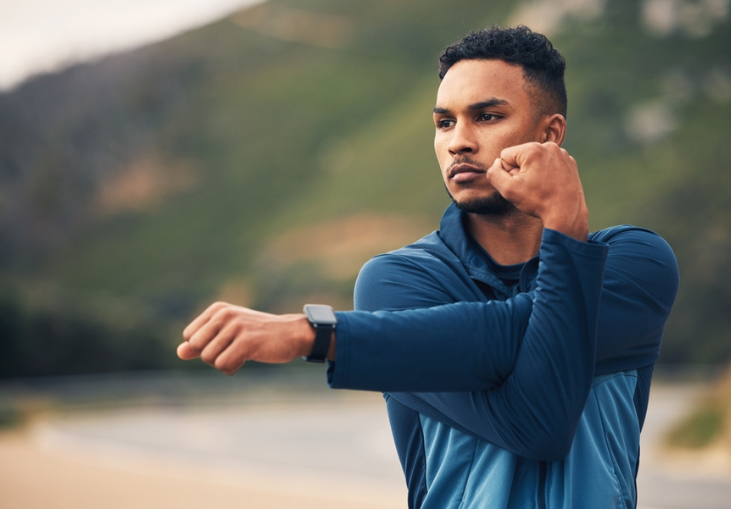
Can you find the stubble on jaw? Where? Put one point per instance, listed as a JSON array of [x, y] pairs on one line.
[[492, 205]]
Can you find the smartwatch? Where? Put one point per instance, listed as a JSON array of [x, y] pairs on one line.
[[322, 318]]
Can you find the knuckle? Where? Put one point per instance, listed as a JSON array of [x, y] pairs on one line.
[[221, 316], [217, 305], [228, 312]]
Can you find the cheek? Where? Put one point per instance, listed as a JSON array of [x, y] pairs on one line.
[[437, 144], [444, 162], [441, 144]]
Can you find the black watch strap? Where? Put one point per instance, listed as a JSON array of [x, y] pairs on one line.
[[323, 334], [322, 318]]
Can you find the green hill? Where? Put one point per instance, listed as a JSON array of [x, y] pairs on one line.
[[263, 158]]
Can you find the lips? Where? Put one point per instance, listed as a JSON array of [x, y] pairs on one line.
[[465, 172]]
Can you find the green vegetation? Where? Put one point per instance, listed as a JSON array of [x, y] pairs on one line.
[[135, 190], [9, 417], [708, 425], [699, 429]]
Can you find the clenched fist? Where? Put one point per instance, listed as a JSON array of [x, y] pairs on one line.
[[542, 180], [226, 336]]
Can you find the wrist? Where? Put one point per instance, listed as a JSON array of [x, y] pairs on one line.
[[574, 224], [304, 336], [323, 322]]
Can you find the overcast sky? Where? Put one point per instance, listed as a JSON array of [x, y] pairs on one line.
[[43, 35]]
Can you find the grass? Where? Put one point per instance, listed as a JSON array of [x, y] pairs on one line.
[[708, 423], [9, 417], [700, 429]]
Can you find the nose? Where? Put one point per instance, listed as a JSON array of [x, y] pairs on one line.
[[463, 140]]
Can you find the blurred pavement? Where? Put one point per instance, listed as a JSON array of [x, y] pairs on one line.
[[282, 449]]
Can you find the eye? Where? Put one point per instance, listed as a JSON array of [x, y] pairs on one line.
[[487, 117], [445, 123]]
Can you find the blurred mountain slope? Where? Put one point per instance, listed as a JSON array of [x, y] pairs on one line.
[[135, 189]]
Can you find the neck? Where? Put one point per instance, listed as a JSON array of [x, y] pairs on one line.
[[510, 238]]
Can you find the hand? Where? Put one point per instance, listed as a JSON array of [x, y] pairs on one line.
[[542, 180], [226, 336]]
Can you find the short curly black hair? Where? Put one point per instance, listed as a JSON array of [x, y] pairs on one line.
[[543, 65]]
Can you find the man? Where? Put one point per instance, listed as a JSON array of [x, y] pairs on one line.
[[515, 349]]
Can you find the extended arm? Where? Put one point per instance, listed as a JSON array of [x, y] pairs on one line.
[[553, 371]]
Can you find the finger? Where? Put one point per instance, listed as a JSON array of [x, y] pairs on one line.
[[185, 352], [498, 176], [215, 347], [229, 362], [202, 319], [234, 355], [511, 156], [207, 333], [512, 170]]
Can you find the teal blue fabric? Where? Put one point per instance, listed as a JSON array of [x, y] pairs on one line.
[[598, 472]]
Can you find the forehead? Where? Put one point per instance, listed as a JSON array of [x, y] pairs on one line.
[[473, 81]]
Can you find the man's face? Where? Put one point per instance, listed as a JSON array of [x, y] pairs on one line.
[[482, 107]]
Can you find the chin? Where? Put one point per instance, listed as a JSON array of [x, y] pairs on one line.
[[493, 204]]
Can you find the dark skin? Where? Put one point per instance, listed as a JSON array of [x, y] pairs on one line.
[[482, 116], [489, 141]]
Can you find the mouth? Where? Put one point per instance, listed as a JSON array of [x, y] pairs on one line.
[[464, 172]]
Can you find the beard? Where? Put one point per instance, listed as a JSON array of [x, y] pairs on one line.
[[492, 205]]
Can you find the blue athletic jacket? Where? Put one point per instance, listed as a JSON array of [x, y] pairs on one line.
[[512, 387]]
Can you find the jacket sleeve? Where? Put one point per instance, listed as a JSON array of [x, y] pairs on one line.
[[640, 285], [537, 385]]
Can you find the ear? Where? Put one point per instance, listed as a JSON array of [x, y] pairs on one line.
[[553, 129]]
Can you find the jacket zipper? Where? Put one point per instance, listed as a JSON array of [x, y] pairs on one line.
[[543, 472]]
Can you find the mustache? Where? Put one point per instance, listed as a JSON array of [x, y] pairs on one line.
[[466, 160]]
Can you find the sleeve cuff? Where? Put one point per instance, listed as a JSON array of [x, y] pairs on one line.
[[590, 249], [337, 370]]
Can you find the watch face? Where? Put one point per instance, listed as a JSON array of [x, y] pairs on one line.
[[318, 313]]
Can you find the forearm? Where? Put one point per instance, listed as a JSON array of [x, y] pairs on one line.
[[537, 409], [641, 280], [418, 350], [470, 346]]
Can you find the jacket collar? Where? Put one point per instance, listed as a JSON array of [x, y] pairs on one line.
[[457, 239]]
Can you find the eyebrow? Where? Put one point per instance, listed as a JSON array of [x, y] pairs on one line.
[[490, 103]]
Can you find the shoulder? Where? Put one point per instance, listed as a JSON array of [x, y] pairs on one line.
[[418, 275], [425, 255], [632, 242], [642, 256], [632, 237], [626, 239]]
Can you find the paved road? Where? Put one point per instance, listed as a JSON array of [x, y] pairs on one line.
[[345, 440]]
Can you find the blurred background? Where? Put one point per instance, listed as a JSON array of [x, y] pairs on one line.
[[154, 158]]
